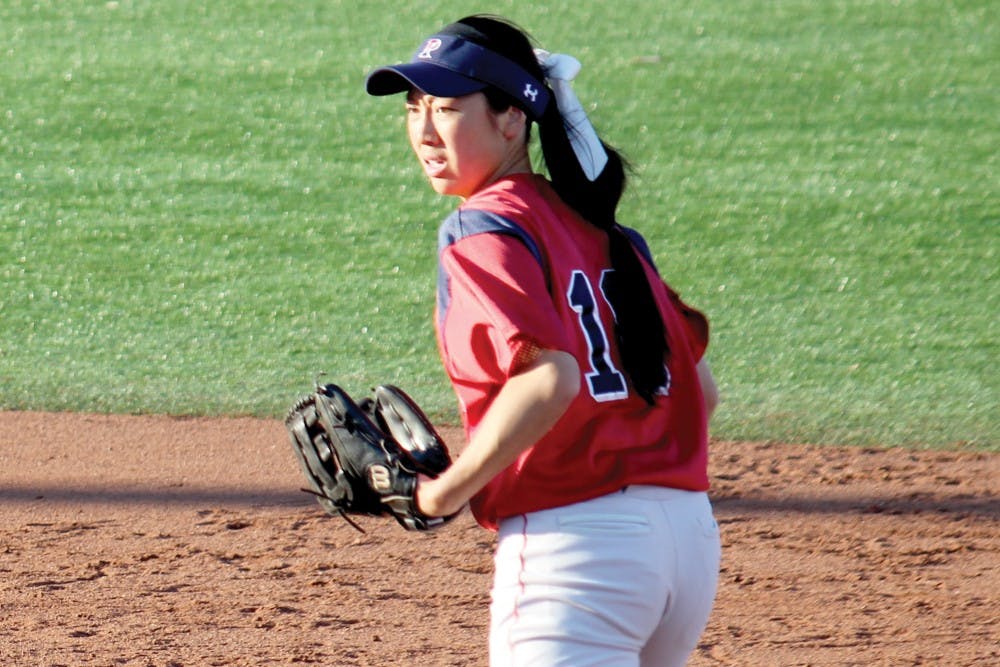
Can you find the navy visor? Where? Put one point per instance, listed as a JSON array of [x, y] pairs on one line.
[[449, 66]]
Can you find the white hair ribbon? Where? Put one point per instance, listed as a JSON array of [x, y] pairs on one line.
[[559, 70]]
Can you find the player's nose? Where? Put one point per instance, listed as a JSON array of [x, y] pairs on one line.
[[425, 128]]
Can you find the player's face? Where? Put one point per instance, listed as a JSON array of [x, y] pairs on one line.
[[461, 143]]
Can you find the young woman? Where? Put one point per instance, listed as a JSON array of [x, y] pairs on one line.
[[580, 374]]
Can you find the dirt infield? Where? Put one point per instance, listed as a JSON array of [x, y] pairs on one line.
[[167, 542]]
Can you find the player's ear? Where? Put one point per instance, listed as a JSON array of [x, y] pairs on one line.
[[513, 122]]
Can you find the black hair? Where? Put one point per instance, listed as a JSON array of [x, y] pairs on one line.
[[639, 328]]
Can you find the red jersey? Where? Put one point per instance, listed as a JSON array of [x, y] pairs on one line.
[[520, 270]]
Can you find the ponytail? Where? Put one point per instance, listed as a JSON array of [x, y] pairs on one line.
[[595, 200]]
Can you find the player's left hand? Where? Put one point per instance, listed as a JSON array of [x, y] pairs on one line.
[[366, 459]]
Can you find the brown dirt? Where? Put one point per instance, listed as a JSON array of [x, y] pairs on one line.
[[167, 542]]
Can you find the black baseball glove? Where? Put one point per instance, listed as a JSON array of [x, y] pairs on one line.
[[364, 459]]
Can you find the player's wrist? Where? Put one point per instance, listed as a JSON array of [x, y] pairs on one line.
[[432, 500]]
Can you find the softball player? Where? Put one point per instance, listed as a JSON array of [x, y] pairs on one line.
[[580, 374]]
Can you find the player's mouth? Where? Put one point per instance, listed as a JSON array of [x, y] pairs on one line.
[[434, 168]]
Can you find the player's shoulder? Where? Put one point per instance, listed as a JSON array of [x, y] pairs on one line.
[[466, 224]]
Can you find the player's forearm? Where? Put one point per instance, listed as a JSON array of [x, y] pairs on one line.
[[527, 407]]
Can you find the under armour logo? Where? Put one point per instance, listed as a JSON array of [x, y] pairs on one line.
[[530, 92], [432, 45]]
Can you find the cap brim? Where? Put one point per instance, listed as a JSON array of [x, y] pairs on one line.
[[431, 79]]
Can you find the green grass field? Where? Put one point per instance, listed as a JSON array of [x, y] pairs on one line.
[[200, 208]]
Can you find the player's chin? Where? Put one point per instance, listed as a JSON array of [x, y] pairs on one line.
[[445, 186]]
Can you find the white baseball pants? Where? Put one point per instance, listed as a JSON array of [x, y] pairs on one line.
[[624, 580]]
